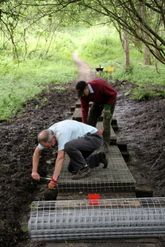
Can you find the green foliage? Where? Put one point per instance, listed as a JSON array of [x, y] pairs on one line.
[[23, 79], [101, 46], [24, 228], [141, 93]]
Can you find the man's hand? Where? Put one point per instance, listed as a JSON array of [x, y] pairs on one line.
[[107, 111], [53, 184], [35, 175]]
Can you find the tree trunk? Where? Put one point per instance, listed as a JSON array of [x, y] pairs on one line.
[[147, 60], [126, 49]]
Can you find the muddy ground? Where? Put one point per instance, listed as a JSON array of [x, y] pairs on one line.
[[141, 126]]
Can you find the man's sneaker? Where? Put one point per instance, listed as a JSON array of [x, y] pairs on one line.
[[103, 159], [83, 173]]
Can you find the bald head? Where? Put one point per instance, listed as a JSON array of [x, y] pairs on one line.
[[45, 136]]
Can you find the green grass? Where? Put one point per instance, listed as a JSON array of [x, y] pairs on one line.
[[24, 79], [25, 82]]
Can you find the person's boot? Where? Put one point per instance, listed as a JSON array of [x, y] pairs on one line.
[[83, 173], [103, 159]]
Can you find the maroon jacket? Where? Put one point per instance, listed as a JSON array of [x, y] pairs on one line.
[[103, 94]]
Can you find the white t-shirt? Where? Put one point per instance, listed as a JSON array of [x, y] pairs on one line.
[[68, 130]]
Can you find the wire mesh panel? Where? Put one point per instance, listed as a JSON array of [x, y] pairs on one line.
[[116, 176], [110, 218]]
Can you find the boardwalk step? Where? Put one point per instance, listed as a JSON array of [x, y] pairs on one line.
[[116, 176], [144, 191], [77, 116], [125, 155], [122, 145]]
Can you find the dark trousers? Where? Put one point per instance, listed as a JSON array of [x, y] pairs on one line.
[[93, 118], [80, 151]]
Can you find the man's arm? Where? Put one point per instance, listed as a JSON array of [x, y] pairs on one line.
[[109, 92], [84, 110], [58, 164], [35, 162]]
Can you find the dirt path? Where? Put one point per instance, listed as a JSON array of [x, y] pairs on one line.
[[85, 72], [142, 126]]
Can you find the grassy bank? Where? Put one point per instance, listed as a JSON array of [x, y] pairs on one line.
[[22, 79]]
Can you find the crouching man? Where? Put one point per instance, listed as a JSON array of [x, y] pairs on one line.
[[79, 141]]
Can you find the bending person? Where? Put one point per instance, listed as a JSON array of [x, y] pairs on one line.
[[79, 141], [103, 97]]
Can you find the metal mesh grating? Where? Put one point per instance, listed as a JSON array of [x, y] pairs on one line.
[[111, 218], [116, 176]]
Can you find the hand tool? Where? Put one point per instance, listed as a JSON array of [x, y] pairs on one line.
[[43, 178]]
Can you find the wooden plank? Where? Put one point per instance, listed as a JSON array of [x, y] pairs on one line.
[[77, 116], [140, 242], [85, 204]]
